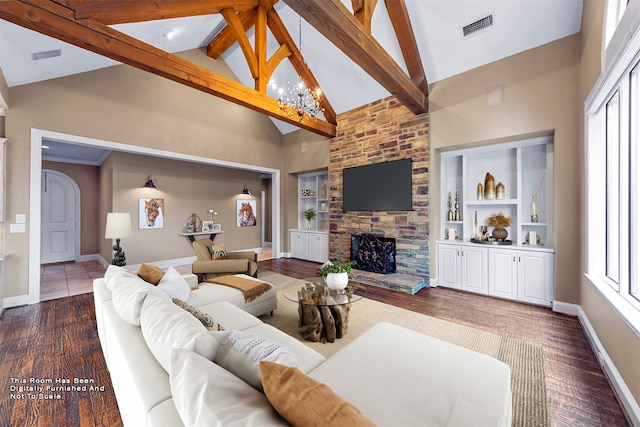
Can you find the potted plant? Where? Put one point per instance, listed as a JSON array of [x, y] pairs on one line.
[[309, 215], [336, 273], [500, 222]]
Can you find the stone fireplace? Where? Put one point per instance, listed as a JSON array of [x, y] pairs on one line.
[[382, 131]]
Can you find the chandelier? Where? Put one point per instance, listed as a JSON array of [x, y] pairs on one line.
[[297, 100], [300, 102]]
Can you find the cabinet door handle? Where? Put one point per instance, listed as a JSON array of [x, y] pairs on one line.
[[514, 258], [458, 253], [462, 253], [519, 259]]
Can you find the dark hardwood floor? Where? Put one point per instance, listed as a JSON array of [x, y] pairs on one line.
[[58, 339]]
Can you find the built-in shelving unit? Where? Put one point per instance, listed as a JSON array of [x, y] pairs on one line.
[[310, 240], [525, 170]]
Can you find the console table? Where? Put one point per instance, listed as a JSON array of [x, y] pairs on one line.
[[192, 236]]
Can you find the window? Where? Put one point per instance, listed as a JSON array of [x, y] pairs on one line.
[[615, 10], [612, 140]]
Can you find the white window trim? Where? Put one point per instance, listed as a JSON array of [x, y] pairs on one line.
[[623, 54]]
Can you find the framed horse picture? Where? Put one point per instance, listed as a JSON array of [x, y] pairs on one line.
[[246, 213], [151, 214]]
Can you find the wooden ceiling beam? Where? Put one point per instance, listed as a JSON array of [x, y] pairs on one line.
[[363, 11], [399, 15], [237, 28], [333, 20], [49, 18], [111, 12], [226, 37]]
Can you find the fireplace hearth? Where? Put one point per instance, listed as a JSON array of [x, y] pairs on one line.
[[373, 253]]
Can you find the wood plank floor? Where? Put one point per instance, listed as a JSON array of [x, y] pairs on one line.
[[58, 339]]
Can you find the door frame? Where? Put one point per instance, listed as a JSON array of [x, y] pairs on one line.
[[76, 210], [37, 136]]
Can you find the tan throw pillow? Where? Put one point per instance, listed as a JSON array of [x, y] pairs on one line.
[[303, 401], [150, 273], [203, 317], [218, 252]]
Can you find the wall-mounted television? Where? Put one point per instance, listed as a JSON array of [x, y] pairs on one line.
[[378, 187]]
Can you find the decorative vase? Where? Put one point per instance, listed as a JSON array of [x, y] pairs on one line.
[[500, 234], [489, 187], [308, 224], [500, 191], [337, 281]]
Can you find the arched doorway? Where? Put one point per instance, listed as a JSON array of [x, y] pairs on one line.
[[60, 217]]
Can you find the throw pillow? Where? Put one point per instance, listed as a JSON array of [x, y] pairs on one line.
[[203, 317], [206, 394], [113, 275], [218, 252], [166, 326], [128, 296], [303, 401], [150, 273], [174, 285], [241, 352]]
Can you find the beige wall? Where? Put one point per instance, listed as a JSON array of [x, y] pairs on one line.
[[128, 106], [620, 342], [303, 152], [87, 178], [540, 98], [186, 188]]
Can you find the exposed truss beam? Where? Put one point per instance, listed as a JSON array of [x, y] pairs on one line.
[[363, 11], [49, 18], [261, 71], [399, 15], [122, 11], [333, 20]]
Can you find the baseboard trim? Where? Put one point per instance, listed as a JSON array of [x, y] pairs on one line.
[[165, 263], [620, 387], [566, 308]]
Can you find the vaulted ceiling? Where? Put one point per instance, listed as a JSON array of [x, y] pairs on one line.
[[356, 51]]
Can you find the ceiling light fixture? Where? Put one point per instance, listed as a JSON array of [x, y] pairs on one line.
[[36, 56], [298, 100]]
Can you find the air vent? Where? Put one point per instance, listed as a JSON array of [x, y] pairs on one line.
[[477, 26], [46, 54]]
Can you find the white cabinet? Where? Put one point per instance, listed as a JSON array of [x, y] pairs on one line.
[[523, 275], [309, 245], [516, 273], [463, 267]]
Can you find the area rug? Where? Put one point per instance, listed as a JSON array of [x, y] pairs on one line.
[[525, 360]]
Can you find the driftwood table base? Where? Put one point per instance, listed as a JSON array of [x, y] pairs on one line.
[[323, 323]]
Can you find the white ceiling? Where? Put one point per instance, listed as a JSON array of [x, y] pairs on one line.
[[519, 25]]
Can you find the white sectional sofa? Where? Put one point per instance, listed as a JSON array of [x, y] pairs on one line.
[[166, 367]]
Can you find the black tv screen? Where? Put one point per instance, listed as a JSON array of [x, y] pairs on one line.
[[377, 187]]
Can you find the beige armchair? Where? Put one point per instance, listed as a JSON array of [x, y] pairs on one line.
[[237, 262]]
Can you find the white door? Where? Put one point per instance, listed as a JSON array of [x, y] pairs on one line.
[[474, 269], [449, 266], [503, 273], [59, 201], [534, 270]]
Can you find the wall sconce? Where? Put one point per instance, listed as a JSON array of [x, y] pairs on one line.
[[246, 191], [149, 183], [118, 226]]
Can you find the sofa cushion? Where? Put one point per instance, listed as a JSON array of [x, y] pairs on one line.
[[206, 394], [150, 273], [204, 318], [129, 293], [303, 401], [113, 274], [174, 285], [466, 414], [166, 326], [241, 352]]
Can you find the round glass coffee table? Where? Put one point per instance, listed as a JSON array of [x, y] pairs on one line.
[[323, 312]]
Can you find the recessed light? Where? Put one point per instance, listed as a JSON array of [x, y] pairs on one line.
[[45, 147], [170, 34]]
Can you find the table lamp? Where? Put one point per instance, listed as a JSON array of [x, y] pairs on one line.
[[118, 226]]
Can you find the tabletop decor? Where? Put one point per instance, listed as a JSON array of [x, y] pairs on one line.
[[336, 273], [500, 222]]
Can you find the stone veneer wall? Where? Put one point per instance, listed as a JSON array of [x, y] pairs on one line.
[[382, 131]]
